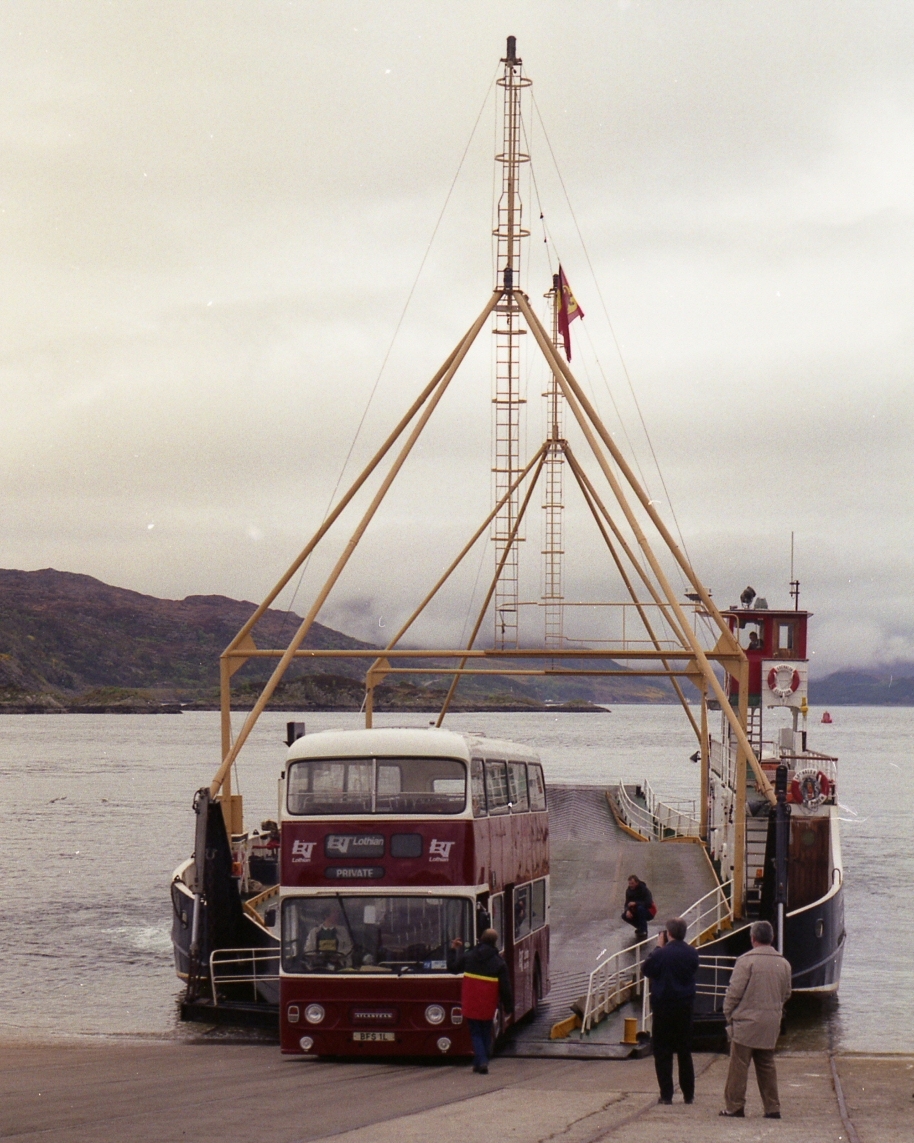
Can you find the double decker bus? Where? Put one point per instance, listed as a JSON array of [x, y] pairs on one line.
[[395, 842]]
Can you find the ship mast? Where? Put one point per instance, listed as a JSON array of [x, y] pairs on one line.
[[553, 496], [624, 515], [508, 330]]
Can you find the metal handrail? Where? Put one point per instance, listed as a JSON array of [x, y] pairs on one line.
[[620, 976], [658, 820], [722, 968], [254, 958]]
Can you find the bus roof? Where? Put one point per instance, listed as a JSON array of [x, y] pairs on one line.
[[425, 742]]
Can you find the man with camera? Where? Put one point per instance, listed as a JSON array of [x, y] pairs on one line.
[[671, 969]]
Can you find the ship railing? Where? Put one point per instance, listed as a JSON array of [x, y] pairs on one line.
[[247, 967], [713, 978], [619, 978], [721, 761], [714, 974], [655, 819]]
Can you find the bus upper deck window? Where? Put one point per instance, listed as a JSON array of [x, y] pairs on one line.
[[383, 785], [423, 786], [536, 787], [478, 788], [497, 787], [517, 787]]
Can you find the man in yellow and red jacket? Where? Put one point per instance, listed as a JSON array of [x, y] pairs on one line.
[[485, 982]]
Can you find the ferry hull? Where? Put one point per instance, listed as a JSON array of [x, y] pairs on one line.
[[814, 944], [814, 941]]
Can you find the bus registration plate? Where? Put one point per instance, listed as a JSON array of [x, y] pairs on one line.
[[373, 1037]]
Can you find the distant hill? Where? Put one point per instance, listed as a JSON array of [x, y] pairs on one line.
[[70, 635], [69, 641], [889, 686]]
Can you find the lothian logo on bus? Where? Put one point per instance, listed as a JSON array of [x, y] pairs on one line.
[[301, 851], [440, 850]]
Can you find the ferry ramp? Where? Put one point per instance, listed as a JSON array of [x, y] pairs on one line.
[[591, 859]]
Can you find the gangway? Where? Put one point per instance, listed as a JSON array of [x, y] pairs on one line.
[[591, 858]]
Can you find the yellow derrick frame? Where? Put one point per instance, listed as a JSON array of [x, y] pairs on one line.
[[686, 660]]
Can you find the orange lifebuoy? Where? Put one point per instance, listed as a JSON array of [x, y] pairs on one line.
[[824, 784], [780, 684]]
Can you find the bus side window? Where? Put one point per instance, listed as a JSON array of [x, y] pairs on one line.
[[497, 908], [538, 904], [497, 787], [478, 785], [521, 912], [483, 916], [517, 787], [536, 786]]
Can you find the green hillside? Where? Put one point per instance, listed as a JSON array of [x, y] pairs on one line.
[[70, 642]]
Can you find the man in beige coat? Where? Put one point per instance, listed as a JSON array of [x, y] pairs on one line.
[[753, 1006]]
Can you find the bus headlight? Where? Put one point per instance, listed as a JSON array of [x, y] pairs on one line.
[[315, 1013], [444, 1044], [306, 1043], [434, 1014]]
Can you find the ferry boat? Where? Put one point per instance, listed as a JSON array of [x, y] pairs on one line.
[[247, 906], [792, 873]]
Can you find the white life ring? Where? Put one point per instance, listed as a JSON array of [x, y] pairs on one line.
[[783, 680], [810, 788]]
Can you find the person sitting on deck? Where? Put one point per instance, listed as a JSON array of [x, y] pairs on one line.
[[328, 939], [639, 906]]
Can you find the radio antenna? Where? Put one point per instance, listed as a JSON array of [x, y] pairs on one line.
[[794, 583]]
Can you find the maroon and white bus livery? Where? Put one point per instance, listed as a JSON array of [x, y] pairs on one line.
[[394, 843]]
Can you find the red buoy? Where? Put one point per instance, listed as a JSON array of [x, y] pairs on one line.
[[826, 717]]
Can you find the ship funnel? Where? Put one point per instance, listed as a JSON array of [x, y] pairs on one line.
[[511, 54]]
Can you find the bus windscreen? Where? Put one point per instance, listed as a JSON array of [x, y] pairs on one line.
[[363, 934], [344, 786]]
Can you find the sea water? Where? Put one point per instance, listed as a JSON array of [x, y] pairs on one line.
[[97, 814]]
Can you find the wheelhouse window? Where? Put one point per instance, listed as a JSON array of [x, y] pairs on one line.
[[377, 786], [785, 638], [751, 634], [349, 933]]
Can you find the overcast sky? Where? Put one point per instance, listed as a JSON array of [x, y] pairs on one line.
[[212, 214]]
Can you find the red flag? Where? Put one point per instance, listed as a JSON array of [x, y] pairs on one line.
[[568, 311]]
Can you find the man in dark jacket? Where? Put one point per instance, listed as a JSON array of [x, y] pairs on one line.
[[485, 982], [638, 906], [671, 969]]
